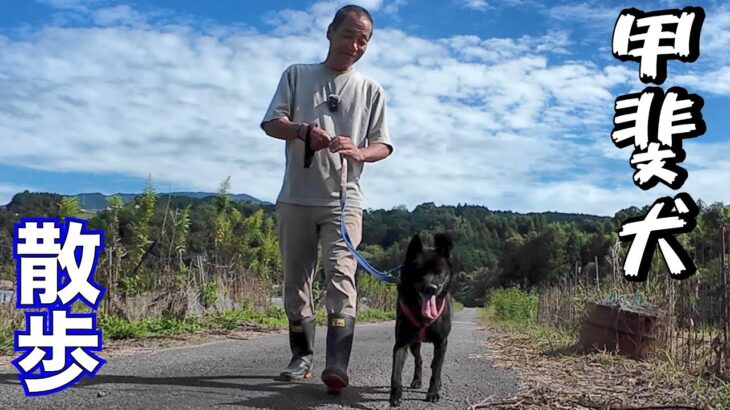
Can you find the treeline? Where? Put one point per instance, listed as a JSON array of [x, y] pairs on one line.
[[156, 240], [495, 248], [165, 244], [498, 249]]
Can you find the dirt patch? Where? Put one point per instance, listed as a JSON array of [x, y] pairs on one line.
[[566, 378]]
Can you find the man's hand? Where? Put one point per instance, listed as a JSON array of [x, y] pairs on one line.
[[320, 139], [372, 153], [344, 145]]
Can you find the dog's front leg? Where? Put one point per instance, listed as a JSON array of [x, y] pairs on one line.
[[416, 352], [396, 388], [439, 352]]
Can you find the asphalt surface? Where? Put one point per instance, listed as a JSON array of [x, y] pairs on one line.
[[239, 374]]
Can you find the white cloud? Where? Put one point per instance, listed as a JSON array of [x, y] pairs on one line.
[[492, 50], [394, 6], [715, 37], [715, 82], [480, 5], [483, 5], [586, 13], [117, 15], [75, 5], [494, 121]]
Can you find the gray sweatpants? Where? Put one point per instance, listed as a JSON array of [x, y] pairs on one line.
[[301, 229]]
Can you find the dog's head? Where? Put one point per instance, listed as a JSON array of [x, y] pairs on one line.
[[426, 274]]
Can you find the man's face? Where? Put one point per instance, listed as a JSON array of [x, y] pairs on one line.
[[349, 42]]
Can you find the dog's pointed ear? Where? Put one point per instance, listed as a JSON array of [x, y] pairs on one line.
[[414, 248], [443, 244]]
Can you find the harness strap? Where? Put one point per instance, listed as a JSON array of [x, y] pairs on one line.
[[421, 326]]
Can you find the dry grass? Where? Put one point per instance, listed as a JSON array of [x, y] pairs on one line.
[[10, 318], [690, 324], [556, 375]]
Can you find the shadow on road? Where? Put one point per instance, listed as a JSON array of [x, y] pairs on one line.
[[277, 394], [313, 395]]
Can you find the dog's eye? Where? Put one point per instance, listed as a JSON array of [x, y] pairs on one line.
[[439, 269]]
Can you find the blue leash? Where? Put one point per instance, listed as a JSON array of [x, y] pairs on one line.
[[386, 276]]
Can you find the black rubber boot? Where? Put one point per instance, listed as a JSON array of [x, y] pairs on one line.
[[301, 340], [340, 332]]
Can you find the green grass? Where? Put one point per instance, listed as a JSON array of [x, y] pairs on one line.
[[117, 328], [271, 318], [363, 316], [373, 315], [6, 340], [113, 327], [544, 338], [514, 304]]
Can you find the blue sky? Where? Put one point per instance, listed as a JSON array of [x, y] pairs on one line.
[[506, 104]]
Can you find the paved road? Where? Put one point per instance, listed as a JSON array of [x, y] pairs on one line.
[[239, 374]]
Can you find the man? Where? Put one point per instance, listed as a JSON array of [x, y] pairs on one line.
[[325, 111]]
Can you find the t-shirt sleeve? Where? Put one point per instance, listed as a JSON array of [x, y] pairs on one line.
[[378, 126], [282, 103]]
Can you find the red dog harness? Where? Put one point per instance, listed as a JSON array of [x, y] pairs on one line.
[[421, 326]]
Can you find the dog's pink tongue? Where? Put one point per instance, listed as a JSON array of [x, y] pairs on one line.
[[429, 308]]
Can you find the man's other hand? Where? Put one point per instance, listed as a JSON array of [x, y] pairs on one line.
[[320, 139]]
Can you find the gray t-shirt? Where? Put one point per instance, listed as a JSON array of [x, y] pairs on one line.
[[302, 97]]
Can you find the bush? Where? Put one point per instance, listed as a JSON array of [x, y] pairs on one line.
[[514, 304], [113, 327], [227, 320], [164, 326], [321, 317], [374, 315], [379, 295], [209, 294]]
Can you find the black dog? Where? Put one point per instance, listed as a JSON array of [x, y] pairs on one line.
[[424, 313]]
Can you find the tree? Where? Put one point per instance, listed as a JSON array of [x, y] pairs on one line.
[[69, 207]]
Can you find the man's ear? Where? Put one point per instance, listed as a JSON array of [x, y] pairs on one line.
[[329, 32]]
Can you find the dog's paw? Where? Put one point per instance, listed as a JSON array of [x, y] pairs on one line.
[[416, 384], [396, 396], [432, 397]]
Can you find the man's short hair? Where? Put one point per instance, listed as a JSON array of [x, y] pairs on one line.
[[344, 11]]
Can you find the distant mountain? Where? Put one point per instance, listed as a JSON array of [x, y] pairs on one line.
[[96, 201]]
